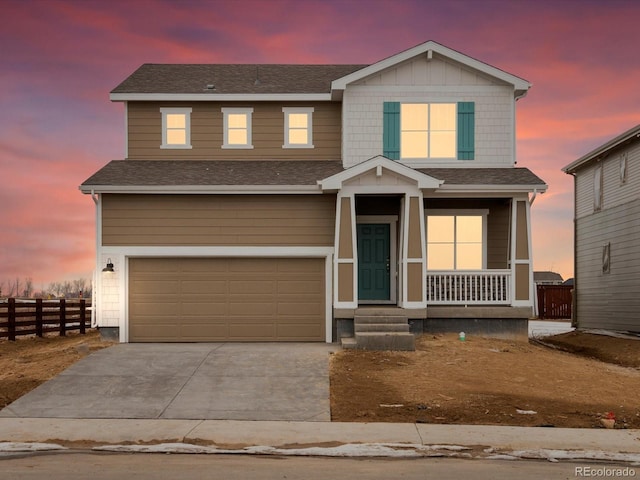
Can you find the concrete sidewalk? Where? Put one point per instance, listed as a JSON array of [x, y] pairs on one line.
[[238, 434]]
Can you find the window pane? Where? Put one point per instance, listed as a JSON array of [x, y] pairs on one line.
[[414, 116], [443, 116], [440, 229], [413, 144], [298, 137], [469, 256], [469, 229], [237, 120], [443, 145], [176, 137], [176, 120], [298, 120], [237, 137], [440, 256]]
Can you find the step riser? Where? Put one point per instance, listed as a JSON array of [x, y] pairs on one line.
[[390, 341], [382, 327], [379, 320]]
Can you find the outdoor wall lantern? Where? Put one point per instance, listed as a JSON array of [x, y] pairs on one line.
[[109, 267]]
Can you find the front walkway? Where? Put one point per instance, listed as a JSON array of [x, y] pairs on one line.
[[222, 381]]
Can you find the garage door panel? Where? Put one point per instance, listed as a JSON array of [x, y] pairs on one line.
[[226, 299]]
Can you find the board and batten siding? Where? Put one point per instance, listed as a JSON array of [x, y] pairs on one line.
[[609, 300], [144, 131], [218, 220]]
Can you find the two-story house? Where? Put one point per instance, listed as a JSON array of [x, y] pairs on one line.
[[295, 202], [607, 228]]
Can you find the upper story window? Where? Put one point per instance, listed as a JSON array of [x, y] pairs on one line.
[[623, 169], [176, 127], [426, 131], [597, 188], [298, 127], [237, 127], [456, 241]]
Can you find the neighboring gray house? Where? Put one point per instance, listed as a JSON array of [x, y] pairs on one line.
[[607, 228]]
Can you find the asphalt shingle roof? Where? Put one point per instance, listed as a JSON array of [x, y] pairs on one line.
[[274, 172], [233, 78]]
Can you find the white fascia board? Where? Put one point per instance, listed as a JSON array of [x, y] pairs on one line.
[[335, 182], [493, 188], [204, 189], [519, 84], [241, 97], [602, 149]]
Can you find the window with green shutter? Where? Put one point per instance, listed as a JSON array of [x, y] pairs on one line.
[[429, 130]]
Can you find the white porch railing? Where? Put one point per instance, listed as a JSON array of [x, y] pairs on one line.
[[469, 287]]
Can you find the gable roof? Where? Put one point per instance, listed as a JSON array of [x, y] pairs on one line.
[[630, 136], [208, 81], [265, 176], [520, 85], [547, 276]]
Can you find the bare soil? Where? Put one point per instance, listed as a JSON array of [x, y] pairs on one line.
[[30, 361], [491, 382]]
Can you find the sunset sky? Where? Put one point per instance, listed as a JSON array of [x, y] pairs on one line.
[[60, 59]]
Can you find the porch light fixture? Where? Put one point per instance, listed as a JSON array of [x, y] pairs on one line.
[[109, 267]]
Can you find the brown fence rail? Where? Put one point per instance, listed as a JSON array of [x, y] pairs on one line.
[[554, 301], [37, 317]]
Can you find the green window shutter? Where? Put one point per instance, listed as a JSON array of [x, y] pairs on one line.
[[391, 130], [466, 130]]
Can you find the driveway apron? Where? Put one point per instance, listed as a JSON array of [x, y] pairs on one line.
[[222, 381]]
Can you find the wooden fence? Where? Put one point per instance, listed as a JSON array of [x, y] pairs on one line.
[[554, 301], [37, 317]]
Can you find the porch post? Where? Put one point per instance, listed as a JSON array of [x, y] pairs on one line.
[[521, 266], [345, 260], [413, 253]]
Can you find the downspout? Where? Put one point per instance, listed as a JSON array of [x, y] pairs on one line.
[[533, 197], [94, 321], [574, 292]]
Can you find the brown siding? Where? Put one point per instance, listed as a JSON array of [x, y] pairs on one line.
[[414, 282], [345, 244], [144, 130], [414, 236], [522, 240], [218, 220], [345, 282], [522, 282], [221, 299]]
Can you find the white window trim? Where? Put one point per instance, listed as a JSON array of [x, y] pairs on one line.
[[246, 111], [173, 110], [309, 112], [428, 157], [459, 213]]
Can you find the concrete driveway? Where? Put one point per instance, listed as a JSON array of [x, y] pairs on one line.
[[229, 381]]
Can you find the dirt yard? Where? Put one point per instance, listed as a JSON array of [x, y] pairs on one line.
[[491, 382], [28, 362]]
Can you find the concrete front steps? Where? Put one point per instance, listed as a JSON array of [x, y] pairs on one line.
[[376, 330]]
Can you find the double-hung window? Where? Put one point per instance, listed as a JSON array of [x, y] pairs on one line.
[[456, 241], [427, 130], [298, 127], [237, 127], [176, 127]]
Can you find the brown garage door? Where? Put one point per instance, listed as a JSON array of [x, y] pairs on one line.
[[226, 299]]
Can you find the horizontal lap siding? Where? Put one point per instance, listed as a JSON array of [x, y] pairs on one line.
[[218, 220], [226, 299], [609, 300], [144, 130]]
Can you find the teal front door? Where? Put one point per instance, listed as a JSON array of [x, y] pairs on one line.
[[373, 262]]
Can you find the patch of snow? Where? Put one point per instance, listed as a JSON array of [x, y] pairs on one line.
[[538, 328], [556, 455], [15, 447], [526, 412]]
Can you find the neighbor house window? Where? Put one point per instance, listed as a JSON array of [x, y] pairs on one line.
[[237, 127], [623, 169], [606, 258], [298, 131], [597, 188], [176, 127], [456, 241], [427, 130]]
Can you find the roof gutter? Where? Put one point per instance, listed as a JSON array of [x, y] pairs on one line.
[[202, 189]]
